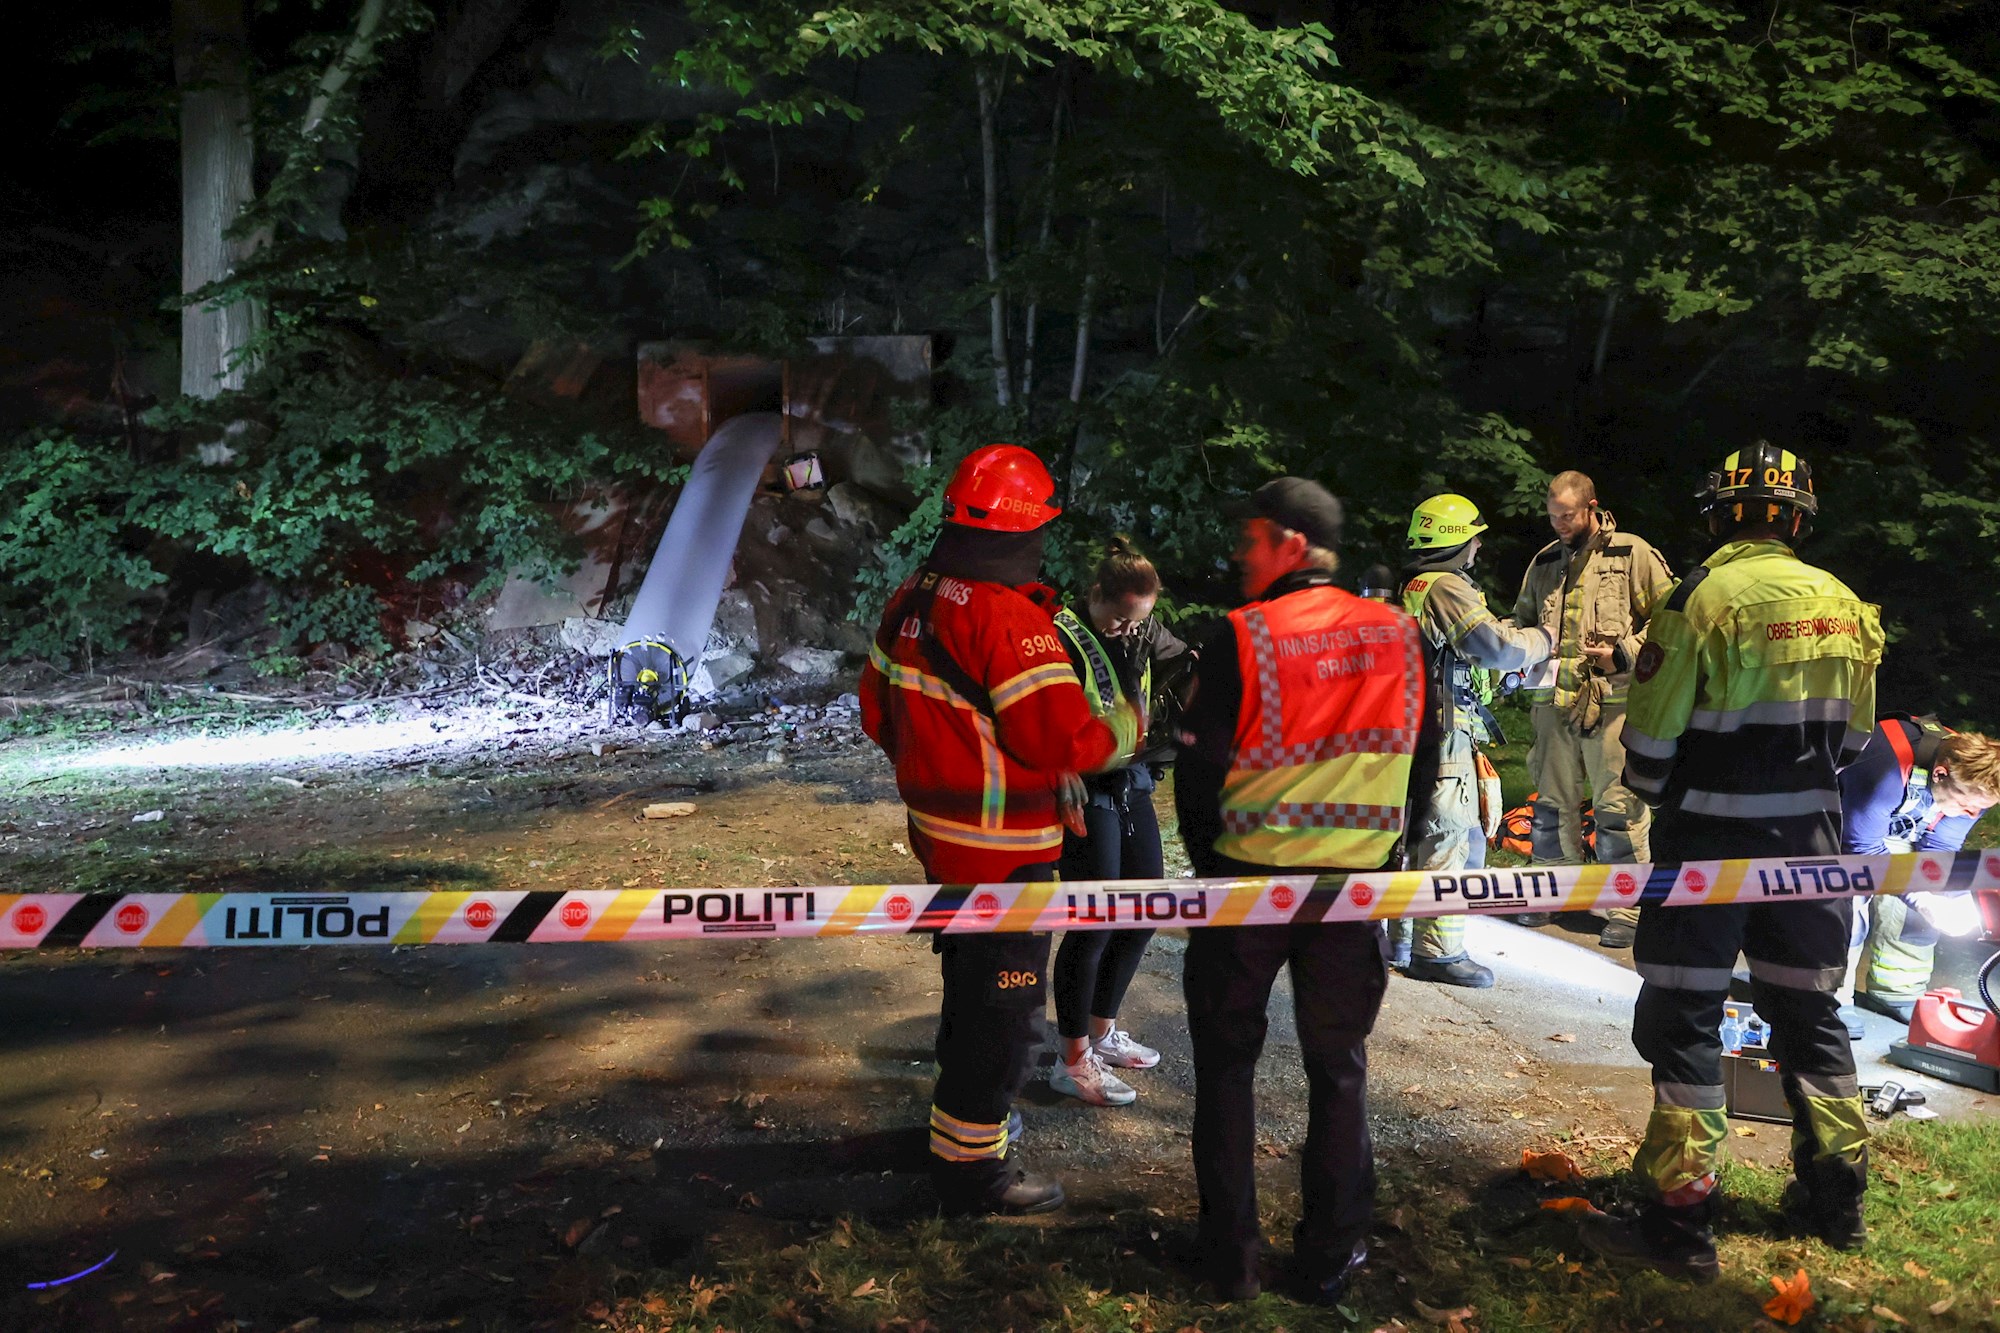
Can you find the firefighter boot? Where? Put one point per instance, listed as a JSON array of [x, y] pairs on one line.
[[1329, 1287], [1823, 1199], [1457, 970], [1838, 1223], [966, 1189], [1674, 1241]]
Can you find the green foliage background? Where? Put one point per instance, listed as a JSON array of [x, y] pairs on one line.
[[1448, 245]]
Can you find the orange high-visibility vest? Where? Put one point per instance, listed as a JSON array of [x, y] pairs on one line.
[[1333, 698]]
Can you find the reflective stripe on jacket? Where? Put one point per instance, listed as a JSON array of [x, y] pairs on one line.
[[1755, 687], [1611, 594], [1103, 688], [1455, 621], [1333, 699], [978, 774]]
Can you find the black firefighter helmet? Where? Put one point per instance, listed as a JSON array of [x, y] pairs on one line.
[[1761, 485]]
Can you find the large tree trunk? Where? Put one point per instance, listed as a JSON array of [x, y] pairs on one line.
[[989, 106], [210, 65]]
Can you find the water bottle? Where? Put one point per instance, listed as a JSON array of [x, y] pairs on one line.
[[1732, 1032]]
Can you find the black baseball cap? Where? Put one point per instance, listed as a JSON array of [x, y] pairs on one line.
[[1293, 502]]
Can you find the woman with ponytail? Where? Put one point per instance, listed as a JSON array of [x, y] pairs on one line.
[[1113, 646]]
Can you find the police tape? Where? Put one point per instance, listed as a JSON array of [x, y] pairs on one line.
[[548, 916]]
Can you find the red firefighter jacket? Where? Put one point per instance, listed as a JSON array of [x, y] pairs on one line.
[[969, 692]]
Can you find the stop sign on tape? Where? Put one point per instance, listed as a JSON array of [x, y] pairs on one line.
[[29, 918], [131, 918], [479, 914]]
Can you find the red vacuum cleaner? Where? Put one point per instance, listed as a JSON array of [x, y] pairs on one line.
[[1953, 1040]]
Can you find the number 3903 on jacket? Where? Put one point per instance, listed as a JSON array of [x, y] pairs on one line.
[[969, 692]]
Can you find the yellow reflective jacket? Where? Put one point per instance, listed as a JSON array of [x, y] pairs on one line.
[[1755, 687]]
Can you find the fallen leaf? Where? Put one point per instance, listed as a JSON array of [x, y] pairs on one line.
[[95, 1183], [1518, 1261], [1745, 1132], [1414, 1087], [578, 1231], [1794, 1298], [1562, 1036], [1939, 1307], [655, 1305], [1572, 1204], [1552, 1165], [1945, 1189], [1457, 1321], [867, 1288], [1888, 1314], [702, 1297], [1915, 1269], [356, 1291]]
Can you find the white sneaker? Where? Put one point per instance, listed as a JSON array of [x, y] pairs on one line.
[[1089, 1081], [1117, 1049]]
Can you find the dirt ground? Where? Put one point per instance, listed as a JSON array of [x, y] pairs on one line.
[[498, 1137]]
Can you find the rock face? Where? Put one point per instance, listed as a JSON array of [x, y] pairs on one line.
[[580, 634], [858, 507], [811, 661]]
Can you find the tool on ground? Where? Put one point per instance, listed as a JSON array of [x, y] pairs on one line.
[[1751, 1086], [1951, 1039], [654, 690], [1885, 1100]]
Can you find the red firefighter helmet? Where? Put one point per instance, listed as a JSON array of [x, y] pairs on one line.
[[1000, 488]]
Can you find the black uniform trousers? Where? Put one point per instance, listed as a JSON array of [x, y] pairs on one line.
[[1798, 957], [1338, 979], [989, 1027], [1094, 968]]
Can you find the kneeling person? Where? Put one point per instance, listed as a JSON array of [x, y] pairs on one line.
[[1917, 787]]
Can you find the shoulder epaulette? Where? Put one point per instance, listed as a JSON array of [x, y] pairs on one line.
[[1678, 599], [1626, 549], [1553, 551]]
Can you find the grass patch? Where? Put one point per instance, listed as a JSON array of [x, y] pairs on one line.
[[1934, 1208]]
